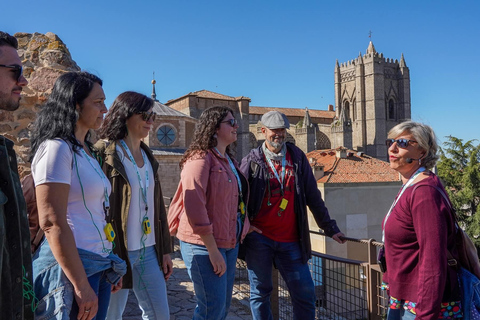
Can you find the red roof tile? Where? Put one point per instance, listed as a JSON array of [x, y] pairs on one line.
[[294, 112], [353, 168]]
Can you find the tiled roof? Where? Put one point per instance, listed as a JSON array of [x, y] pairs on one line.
[[294, 112], [168, 152], [163, 110], [209, 95], [353, 168]]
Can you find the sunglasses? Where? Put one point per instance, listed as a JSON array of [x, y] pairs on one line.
[[401, 143], [232, 122], [147, 115], [18, 70]]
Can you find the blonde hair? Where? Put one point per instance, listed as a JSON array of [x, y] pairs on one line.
[[425, 137]]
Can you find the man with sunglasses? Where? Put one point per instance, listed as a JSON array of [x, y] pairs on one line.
[[282, 185], [16, 295]]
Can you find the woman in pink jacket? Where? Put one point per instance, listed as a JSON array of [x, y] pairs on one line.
[[208, 214]]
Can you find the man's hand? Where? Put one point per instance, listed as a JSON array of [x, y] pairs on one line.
[[253, 229], [339, 237]]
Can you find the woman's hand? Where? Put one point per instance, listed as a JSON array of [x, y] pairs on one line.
[[216, 259], [218, 262], [87, 302], [118, 286], [167, 266]]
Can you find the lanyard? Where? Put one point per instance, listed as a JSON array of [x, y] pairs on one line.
[[270, 163], [239, 182], [144, 190], [405, 186], [104, 180]]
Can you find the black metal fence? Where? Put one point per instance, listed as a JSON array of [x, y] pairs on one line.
[[345, 289]]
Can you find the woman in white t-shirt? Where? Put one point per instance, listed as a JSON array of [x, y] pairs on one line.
[[138, 213], [74, 268]]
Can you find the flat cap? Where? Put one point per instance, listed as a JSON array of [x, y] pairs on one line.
[[275, 120]]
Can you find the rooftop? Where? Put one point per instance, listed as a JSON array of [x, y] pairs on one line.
[[294, 112], [163, 110], [354, 168]]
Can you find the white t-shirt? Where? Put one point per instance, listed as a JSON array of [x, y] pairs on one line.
[[54, 162], [136, 213]]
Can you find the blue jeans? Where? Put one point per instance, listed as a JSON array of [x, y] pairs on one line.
[[148, 285], [261, 253], [213, 293], [399, 314], [102, 288]]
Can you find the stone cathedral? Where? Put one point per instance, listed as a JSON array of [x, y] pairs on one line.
[[372, 94]]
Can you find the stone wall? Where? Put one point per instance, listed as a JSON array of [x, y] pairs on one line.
[[44, 58]]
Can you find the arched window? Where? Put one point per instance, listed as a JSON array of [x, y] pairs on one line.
[[391, 109]]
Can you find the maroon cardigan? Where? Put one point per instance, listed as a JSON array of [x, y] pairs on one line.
[[417, 235]]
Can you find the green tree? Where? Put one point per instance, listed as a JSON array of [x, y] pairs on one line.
[[458, 167]]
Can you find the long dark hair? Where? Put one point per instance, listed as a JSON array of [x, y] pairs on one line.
[[204, 137], [114, 126], [58, 116]]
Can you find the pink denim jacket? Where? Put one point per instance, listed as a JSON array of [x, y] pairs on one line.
[[206, 202]]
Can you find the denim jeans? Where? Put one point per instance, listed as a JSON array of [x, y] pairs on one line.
[[399, 314], [148, 285], [213, 293], [102, 288], [261, 253], [55, 292]]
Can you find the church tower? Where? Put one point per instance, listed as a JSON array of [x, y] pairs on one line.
[[372, 95]]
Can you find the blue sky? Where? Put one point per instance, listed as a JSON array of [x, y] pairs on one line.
[[278, 53]]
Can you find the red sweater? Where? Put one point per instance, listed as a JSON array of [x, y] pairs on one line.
[[417, 234]]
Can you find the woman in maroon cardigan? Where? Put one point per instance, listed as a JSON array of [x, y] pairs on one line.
[[418, 230]]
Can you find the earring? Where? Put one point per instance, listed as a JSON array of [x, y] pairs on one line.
[[215, 135]]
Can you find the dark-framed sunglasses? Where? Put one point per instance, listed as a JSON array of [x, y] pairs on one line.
[[147, 115], [18, 70], [401, 143], [231, 122]]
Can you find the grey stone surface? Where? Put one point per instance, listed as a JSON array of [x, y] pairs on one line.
[[181, 297]]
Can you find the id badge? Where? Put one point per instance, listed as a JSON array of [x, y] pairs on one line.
[[241, 206], [283, 204], [109, 232], [146, 226]]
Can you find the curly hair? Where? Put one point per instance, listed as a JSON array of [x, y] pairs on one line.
[[204, 137], [114, 126], [425, 137], [58, 116]]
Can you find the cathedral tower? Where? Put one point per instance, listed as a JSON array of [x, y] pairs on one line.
[[372, 94]]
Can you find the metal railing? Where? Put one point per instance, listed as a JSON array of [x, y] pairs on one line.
[[344, 288]]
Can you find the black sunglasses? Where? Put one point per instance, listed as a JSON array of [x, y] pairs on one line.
[[232, 122], [401, 143], [18, 70], [147, 115]]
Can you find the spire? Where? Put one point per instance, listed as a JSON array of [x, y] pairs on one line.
[[154, 94], [402, 62], [360, 59], [371, 48], [307, 121], [337, 65]]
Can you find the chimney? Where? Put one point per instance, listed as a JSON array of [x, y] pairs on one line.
[[330, 107], [318, 171], [341, 152]]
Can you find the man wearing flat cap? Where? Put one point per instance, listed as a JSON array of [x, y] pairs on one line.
[[282, 185]]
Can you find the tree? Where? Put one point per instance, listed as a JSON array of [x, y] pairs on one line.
[[459, 169]]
